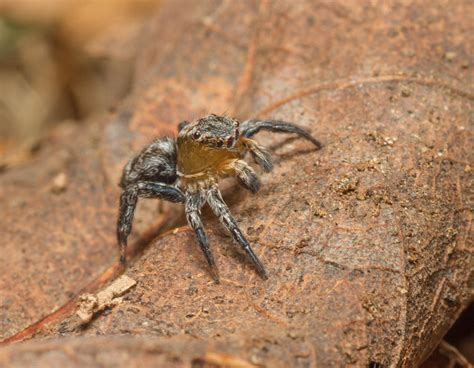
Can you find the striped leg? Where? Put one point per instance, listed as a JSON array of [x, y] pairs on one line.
[[221, 210]]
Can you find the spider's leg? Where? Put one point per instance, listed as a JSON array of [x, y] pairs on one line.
[[194, 203], [182, 125], [251, 127], [128, 202], [221, 210]]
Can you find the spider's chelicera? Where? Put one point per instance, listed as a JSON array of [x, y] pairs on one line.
[[187, 170]]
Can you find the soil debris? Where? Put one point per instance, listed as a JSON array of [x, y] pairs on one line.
[[59, 183], [222, 360], [346, 185], [89, 304]]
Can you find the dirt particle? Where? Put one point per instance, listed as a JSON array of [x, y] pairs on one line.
[[299, 248], [317, 208], [367, 165], [59, 183], [380, 140], [402, 290], [221, 360], [346, 185], [191, 290], [255, 359], [405, 92], [379, 195], [450, 56]]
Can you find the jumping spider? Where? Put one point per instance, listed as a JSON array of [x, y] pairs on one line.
[[187, 170]]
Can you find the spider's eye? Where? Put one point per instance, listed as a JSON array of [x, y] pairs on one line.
[[196, 135], [219, 143], [230, 141]]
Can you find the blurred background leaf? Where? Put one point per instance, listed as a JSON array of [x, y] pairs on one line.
[[58, 64]]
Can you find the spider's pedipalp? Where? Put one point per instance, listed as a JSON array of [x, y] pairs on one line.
[[128, 203], [260, 155], [246, 176], [220, 209], [251, 127], [244, 173], [194, 203]]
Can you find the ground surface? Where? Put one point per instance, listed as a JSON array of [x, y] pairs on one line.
[[368, 242]]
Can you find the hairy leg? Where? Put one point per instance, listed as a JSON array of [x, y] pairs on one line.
[[182, 124], [251, 127], [128, 202], [221, 210], [194, 203]]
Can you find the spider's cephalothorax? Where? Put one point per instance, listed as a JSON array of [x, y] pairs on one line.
[[187, 171]]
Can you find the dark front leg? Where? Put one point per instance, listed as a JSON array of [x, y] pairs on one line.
[[194, 203], [128, 203], [251, 127], [221, 210]]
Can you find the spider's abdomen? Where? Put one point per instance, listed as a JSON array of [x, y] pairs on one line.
[[157, 163]]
